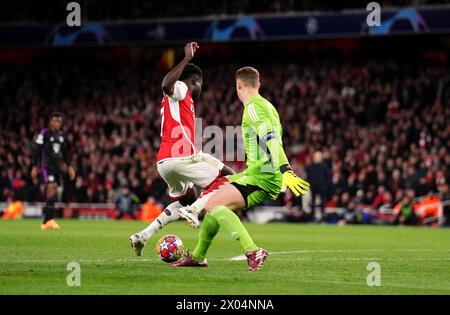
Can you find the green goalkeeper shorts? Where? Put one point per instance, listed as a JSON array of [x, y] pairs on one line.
[[252, 194]]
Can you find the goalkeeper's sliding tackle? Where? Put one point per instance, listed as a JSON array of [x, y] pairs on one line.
[[267, 173]]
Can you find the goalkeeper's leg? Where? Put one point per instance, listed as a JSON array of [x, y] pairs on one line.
[[220, 209], [208, 230], [221, 206], [210, 225], [233, 197]]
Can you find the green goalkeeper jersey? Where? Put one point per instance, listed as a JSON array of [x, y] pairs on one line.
[[262, 135]]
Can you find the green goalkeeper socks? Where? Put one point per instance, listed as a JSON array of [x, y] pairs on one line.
[[208, 230], [221, 216], [231, 222]]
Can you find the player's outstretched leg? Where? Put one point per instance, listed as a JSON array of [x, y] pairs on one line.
[[138, 240], [209, 228], [169, 214], [231, 222], [224, 216], [189, 261], [256, 258], [190, 213]]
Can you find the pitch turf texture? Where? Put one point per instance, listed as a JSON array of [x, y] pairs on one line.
[[305, 259]]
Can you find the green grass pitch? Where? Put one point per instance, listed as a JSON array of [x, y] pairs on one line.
[[305, 259]]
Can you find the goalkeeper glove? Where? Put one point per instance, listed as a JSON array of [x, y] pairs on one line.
[[297, 185]]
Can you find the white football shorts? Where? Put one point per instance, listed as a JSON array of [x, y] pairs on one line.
[[180, 173]]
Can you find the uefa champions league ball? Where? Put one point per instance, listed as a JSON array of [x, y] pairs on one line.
[[169, 248]]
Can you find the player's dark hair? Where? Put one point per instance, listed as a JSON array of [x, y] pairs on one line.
[[56, 114], [190, 70]]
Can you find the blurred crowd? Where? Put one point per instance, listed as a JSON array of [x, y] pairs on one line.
[[55, 11], [378, 127], [366, 132]]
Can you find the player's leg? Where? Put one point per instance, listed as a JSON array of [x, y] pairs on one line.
[[184, 192], [49, 208], [226, 198], [177, 173], [208, 173], [217, 182], [220, 207], [210, 226], [253, 195], [190, 213], [168, 215]]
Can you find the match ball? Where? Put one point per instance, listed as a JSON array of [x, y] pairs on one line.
[[169, 248]]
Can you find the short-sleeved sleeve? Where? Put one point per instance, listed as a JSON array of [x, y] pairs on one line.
[[179, 91]]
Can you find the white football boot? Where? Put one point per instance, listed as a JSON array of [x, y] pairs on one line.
[[137, 244], [189, 214]]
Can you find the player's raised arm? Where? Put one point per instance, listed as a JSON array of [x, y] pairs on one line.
[[172, 77]]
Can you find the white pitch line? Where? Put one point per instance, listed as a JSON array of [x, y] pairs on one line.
[[242, 257], [56, 261]]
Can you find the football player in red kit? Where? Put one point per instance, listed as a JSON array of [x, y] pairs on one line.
[[182, 166]]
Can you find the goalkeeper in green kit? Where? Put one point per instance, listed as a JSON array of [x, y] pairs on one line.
[[267, 173]]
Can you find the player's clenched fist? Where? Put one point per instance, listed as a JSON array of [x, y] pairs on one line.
[[297, 185], [190, 49]]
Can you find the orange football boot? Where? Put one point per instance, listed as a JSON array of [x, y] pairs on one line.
[[50, 225]]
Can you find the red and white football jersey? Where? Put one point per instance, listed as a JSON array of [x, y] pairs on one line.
[[177, 124]]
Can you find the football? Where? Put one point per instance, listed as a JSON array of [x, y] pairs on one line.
[[169, 248]]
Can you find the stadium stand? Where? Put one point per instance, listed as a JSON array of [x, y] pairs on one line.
[[381, 125]]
